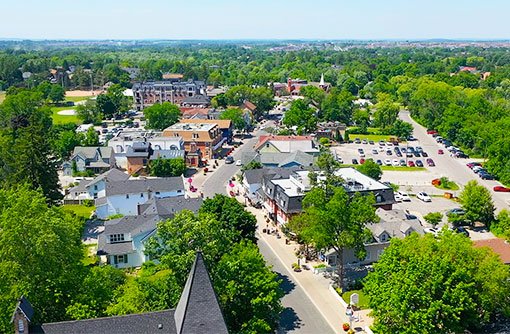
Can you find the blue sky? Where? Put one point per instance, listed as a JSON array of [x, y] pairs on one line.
[[255, 19]]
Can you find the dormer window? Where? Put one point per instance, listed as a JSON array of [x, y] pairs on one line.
[[114, 238], [383, 237]]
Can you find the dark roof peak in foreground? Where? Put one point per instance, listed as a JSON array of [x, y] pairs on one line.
[[198, 311]]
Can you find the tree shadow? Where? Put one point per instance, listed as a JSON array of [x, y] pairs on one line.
[[289, 320], [287, 285]]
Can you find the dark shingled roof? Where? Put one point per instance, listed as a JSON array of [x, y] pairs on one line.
[[25, 307], [198, 311], [160, 184], [168, 207], [145, 323]]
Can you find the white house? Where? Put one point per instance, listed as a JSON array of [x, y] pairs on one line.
[[122, 242], [97, 159], [92, 189], [123, 197]]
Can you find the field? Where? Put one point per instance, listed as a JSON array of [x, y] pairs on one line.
[[80, 210], [63, 119], [376, 138]]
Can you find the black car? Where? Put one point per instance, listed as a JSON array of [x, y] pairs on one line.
[[354, 161], [396, 149], [419, 163], [461, 230], [416, 154], [379, 162], [371, 142], [229, 160], [486, 176], [398, 154], [424, 154]]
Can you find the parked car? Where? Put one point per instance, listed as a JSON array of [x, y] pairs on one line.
[[361, 152], [419, 149], [362, 161], [431, 131], [416, 154], [388, 152], [364, 141], [430, 230], [472, 165], [339, 159], [440, 152], [382, 142], [387, 162], [239, 163], [371, 142], [430, 162], [461, 230], [354, 161], [410, 163], [398, 154], [379, 162], [357, 141], [419, 163], [411, 138], [229, 160], [501, 189], [396, 163], [404, 195], [397, 197], [486, 176], [455, 212], [439, 139], [424, 197], [424, 154], [374, 151]]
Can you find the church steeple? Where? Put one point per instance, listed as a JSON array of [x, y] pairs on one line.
[[322, 83]]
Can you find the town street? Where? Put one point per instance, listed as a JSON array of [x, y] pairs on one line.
[[453, 168]]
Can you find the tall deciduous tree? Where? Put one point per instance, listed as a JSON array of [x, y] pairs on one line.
[[301, 116], [370, 169], [477, 203], [161, 116], [337, 221], [436, 285], [236, 116], [167, 167]]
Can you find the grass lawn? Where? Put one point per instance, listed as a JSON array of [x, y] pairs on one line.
[[404, 169], [363, 299], [62, 119], [89, 254], [2, 97], [376, 138], [80, 210], [77, 98]]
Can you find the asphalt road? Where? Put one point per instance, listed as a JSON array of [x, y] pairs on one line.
[[453, 168], [299, 314]]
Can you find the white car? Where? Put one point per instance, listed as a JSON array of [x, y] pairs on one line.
[[387, 162], [405, 197], [424, 197], [339, 159], [396, 163], [398, 198], [430, 230], [239, 163]]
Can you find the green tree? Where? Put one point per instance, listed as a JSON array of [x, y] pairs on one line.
[[167, 167], [337, 221], [33, 239], [57, 94], [161, 116], [232, 215], [236, 116], [436, 285], [106, 105], [91, 137], [501, 226], [477, 203], [65, 142], [252, 165], [89, 112], [433, 218], [248, 291], [370, 169], [401, 129], [386, 111], [301, 116]]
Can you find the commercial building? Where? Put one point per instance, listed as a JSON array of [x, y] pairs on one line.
[[146, 94]]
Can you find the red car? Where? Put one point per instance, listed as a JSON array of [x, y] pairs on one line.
[[362, 161], [440, 152], [431, 132], [410, 163], [501, 189]]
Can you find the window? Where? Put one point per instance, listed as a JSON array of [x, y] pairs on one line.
[[141, 195], [116, 238], [384, 237], [95, 187], [368, 256], [195, 136], [127, 196], [157, 192], [120, 258], [21, 326]]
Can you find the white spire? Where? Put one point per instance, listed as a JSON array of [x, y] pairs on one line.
[[322, 80]]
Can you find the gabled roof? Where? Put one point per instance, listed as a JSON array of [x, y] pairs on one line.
[[85, 152], [111, 175], [248, 105], [498, 245], [198, 310], [25, 307], [170, 206], [288, 143], [159, 184]]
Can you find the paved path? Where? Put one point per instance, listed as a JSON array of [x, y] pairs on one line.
[[455, 169]]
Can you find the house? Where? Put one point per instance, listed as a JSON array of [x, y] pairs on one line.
[[148, 93], [169, 206], [287, 144], [294, 86], [198, 113], [133, 72], [283, 195], [498, 246], [201, 140], [198, 312], [252, 180], [123, 197], [393, 224], [92, 189], [196, 101], [332, 130], [94, 159], [137, 156], [273, 159], [214, 91], [225, 125]]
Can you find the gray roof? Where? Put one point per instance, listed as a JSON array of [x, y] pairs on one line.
[[197, 99], [170, 205], [253, 176], [167, 154], [278, 159], [147, 323], [90, 152], [395, 223], [144, 185], [111, 175], [138, 153], [198, 310]]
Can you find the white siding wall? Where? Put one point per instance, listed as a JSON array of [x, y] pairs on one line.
[[129, 206]]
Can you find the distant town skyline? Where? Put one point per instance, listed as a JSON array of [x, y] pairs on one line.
[[263, 19]]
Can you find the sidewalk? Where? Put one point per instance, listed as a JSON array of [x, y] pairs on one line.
[[316, 287]]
